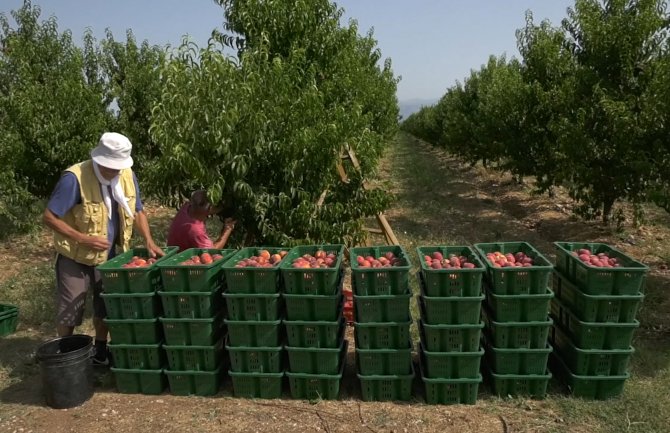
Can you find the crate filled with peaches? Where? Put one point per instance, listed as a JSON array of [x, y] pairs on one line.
[[599, 290], [450, 301], [381, 296], [192, 320], [315, 325], [254, 313], [516, 316], [133, 271], [131, 283]]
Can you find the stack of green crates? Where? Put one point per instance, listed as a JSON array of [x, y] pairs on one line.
[[381, 326], [254, 312], [450, 305], [314, 324], [595, 317], [193, 322], [133, 308], [9, 317], [517, 322]]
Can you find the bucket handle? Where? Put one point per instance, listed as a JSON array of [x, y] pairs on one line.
[[36, 359]]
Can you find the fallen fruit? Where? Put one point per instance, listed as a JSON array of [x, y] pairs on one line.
[[600, 260], [204, 258], [387, 260], [320, 260], [139, 262], [509, 260], [438, 261], [262, 260]]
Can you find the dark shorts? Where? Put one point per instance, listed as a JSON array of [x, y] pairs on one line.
[[73, 281]]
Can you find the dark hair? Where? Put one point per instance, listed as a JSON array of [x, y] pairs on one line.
[[199, 200]]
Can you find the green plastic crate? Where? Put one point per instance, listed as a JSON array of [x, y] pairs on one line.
[[310, 386], [256, 359], [253, 306], [9, 317], [132, 305], [315, 360], [517, 335], [191, 305], [202, 383], [592, 362], [590, 335], [382, 308], [314, 307], [450, 365], [384, 361], [386, 335], [514, 385], [519, 308], [248, 279], [117, 279], [257, 385], [194, 278], [7, 310], [194, 358], [629, 279], [138, 356], [135, 381], [450, 338], [8, 324], [386, 388], [319, 334], [453, 310], [139, 331], [254, 333], [516, 281], [516, 361], [588, 387], [320, 281], [450, 391], [393, 280], [600, 308], [196, 332], [452, 282]]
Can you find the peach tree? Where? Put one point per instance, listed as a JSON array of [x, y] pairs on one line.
[[51, 111], [260, 116], [586, 111]]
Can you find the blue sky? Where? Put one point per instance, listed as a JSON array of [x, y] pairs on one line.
[[432, 43]]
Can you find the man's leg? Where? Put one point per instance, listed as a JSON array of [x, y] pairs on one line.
[[71, 288], [101, 330], [64, 331]]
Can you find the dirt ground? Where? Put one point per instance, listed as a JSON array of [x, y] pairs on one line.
[[439, 201], [23, 408]]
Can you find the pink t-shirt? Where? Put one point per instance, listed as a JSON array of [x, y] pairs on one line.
[[187, 232]]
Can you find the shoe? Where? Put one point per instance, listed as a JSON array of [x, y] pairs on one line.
[[103, 359]]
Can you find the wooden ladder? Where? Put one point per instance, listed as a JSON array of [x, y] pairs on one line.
[[384, 227]]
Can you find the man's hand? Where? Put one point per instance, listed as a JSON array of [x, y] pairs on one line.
[[142, 226], [228, 225], [97, 243], [154, 250]]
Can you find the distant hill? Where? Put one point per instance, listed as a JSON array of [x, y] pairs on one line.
[[410, 106]]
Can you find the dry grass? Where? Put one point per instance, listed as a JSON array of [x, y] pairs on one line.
[[439, 201]]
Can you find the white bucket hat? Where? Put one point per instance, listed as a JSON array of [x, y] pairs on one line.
[[113, 151]]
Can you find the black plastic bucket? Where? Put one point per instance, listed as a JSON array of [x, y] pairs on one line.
[[67, 372]]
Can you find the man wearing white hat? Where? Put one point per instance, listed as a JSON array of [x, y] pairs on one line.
[[92, 211]]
